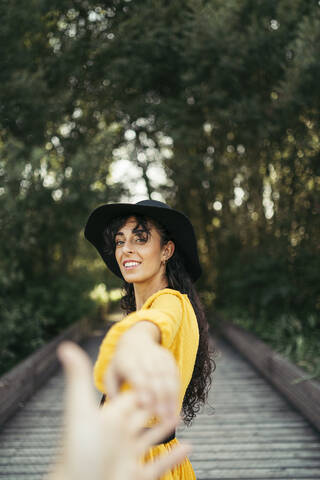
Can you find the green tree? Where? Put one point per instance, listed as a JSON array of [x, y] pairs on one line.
[[225, 94]]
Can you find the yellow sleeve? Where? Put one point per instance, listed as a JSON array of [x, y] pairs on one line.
[[165, 311]]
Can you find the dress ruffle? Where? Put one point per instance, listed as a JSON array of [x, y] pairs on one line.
[[184, 471]]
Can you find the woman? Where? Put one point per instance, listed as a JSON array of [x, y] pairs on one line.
[[161, 348]]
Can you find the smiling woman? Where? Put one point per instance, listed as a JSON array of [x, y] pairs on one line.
[[160, 349], [141, 255]]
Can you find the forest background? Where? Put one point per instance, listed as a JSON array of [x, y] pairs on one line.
[[223, 96]]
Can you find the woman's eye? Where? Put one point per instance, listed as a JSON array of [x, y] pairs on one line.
[[119, 242], [141, 239]]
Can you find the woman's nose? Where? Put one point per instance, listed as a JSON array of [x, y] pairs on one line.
[[127, 247]]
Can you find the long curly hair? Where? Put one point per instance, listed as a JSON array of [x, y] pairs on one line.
[[178, 279]]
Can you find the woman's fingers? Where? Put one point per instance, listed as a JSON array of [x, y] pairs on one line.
[[153, 470], [125, 409], [166, 391], [137, 422], [158, 383], [122, 405], [121, 369], [153, 374]]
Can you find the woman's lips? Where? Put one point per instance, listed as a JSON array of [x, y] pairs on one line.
[[130, 264]]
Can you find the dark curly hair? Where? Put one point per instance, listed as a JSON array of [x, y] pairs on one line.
[[178, 279]]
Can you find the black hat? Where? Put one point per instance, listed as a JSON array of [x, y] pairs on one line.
[[177, 224]]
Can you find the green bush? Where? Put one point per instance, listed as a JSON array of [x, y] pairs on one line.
[[33, 314], [278, 300]]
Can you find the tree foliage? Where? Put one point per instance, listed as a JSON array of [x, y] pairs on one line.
[[225, 94]]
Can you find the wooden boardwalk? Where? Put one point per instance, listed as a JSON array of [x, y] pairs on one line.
[[253, 433]]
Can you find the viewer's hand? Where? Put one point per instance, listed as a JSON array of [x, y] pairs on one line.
[[107, 443], [149, 368]]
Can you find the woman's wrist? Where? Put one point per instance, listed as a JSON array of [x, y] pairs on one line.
[[141, 332]]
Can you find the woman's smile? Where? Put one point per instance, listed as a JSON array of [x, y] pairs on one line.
[[130, 264]]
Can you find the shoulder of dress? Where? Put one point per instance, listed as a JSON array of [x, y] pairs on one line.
[[165, 291], [165, 294]]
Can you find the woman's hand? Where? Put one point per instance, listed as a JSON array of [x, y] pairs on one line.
[[149, 368], [107, 443]]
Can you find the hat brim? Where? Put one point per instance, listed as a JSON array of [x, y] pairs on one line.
[[178, 225]]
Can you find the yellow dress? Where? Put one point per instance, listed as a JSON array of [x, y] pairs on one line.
[[172, 312]]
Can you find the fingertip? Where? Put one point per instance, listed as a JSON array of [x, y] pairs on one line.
[[65, 351], [72, 357], [182, 451]]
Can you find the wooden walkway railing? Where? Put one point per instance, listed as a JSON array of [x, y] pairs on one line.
[[252, 434]]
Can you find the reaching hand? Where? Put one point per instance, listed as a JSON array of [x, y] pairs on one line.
[[107, 443], [149, 368]]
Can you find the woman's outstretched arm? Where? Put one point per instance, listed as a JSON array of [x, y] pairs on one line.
[[149, 368], [137, 351]]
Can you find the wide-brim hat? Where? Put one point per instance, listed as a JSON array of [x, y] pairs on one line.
[[177, 224]]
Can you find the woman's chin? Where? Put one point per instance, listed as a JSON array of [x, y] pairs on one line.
[[131, 277], [135, 278]]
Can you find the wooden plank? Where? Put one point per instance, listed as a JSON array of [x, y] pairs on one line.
[[289, 379], [257, 474]]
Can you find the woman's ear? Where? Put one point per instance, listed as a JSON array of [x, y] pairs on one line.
[[168, 250]]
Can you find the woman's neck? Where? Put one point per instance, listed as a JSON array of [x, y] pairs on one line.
[[142, 291]]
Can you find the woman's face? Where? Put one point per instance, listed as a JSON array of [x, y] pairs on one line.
[[140, 256]]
